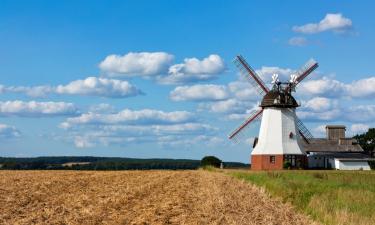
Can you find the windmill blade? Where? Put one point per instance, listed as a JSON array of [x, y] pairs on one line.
[[307, 69], [248, 72], [255, 115], [303, 131]]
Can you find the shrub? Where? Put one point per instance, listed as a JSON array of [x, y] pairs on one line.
[[372, 164], [210, 161], [287, 165]]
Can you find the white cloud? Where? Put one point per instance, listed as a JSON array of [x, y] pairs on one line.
[[90, 86], [320, 104], [319, 131], [127, 116], [297, 41], [243, 90], [7, 131], [328, 87], [92, 135], [266, 73], [328, 115], [322, 87], [158, 130], [335, 22], [362, 88], [93, 86], [137, 64], [226, 106], [37, 91], [360, 113], [334, 112], [83, 142], [359, 128], [193, 70], [319, 109], [205, 92], [94, 139], [37, 109], [132, 127], [213, 64], [230, 107]]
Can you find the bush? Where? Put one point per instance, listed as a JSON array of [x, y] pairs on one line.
[[371, 164], [210, 161], [287, 165]]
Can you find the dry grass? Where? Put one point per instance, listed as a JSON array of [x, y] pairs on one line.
[[136, 197]]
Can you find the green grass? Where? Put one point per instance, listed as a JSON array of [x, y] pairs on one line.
[[330, 197]]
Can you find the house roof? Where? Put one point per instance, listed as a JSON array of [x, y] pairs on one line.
[[325, 145], [336, 126], [355, 159]]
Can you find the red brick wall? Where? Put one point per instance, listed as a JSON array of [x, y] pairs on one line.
[[263, 162]]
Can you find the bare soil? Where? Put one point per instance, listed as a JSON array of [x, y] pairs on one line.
[[137, 197]]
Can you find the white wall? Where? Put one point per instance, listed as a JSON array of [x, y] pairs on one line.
[[274, 133], [351, 165]]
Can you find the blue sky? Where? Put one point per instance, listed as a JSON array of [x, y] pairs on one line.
[[156, 79]]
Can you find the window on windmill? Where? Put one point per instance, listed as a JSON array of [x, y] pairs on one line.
[[272, 159], [291, 135]]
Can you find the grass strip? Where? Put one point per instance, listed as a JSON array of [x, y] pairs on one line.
[[330, 197]]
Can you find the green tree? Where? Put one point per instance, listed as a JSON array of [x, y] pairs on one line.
[[211, 161], [367, 141]]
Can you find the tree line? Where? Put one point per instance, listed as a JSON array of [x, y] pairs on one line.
[[102, 163]]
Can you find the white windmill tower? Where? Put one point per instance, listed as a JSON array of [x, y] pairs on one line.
[[280, 131]]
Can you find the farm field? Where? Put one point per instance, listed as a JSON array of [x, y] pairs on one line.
[[137, 197], [331, 197]]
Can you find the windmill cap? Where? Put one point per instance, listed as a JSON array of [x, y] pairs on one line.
[[278, 99]]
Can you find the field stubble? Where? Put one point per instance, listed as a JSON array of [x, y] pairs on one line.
[[137, 197]]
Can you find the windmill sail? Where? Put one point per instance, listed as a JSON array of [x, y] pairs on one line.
[[251, 75], [307, 69], [303, 131], [255, 115]]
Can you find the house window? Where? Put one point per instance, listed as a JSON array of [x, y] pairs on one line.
[[272, 159], [291, 159]]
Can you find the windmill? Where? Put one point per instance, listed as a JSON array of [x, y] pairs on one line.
[[280, 131]]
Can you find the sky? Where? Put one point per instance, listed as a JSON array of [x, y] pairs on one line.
[[156, 79]]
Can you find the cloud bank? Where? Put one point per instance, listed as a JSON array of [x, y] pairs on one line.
[[127, 116], [205, 92], [90, 86], [193, 70], [37, 109], [136, 64]]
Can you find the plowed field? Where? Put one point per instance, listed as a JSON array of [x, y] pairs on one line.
[[137, 197]]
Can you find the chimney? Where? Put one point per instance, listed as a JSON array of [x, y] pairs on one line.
[[335, 132]]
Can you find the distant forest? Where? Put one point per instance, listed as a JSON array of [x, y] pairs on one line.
[[103, 163]]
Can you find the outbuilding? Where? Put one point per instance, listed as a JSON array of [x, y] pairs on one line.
[[336, 151], [352, 164]]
